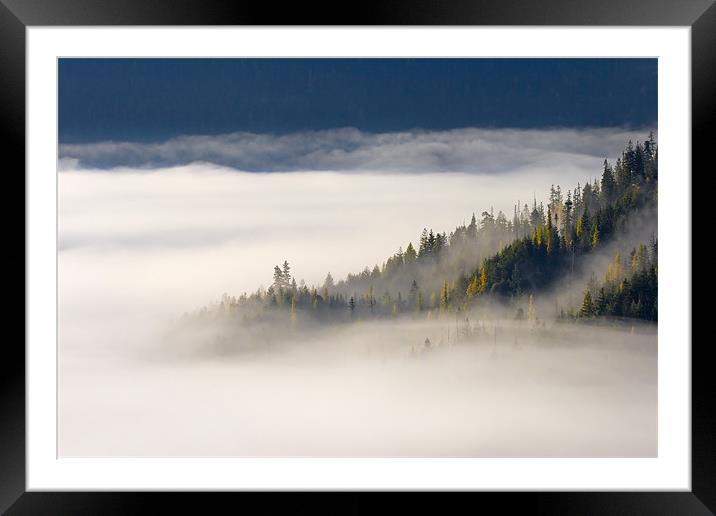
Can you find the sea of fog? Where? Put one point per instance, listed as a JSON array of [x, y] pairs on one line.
[[370, 389], [139, 248]]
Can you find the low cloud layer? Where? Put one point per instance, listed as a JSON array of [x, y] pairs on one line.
[[138, 247], [472, 150], [132, 233], [358, 392]]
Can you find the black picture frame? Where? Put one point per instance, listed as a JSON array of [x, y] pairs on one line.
[[17, 15]]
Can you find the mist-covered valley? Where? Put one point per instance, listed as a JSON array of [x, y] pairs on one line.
[[463, 363], [372, 389]]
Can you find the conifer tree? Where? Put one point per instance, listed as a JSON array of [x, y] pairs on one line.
[[473, 288], [410, 254], [601, 302], [608, 183], [286, 274], [587, 309], [472, 228], [483, 279], [614, 270], [445, 296], [594, 240], [277, 277], [424, 247]]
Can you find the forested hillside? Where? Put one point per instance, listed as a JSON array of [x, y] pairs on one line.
[[508, 260]]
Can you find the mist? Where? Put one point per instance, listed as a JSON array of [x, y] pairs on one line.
[[567, 292], [139, 247], [371, 390], [469, 150], [130, 234]]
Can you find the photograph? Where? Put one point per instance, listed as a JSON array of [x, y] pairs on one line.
[[357, 257]]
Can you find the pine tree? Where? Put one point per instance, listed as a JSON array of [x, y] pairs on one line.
[[550, 235], [445, 296], [587, 309], [601, 304], [277, 277], [286, 274], [483, 279], [328, 283], [410, 254], [472, 228], [623, 174], [608, 183], [594, 240], [425, 246], [639, 259], [473, 288], [614, 270], [430, 244]]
